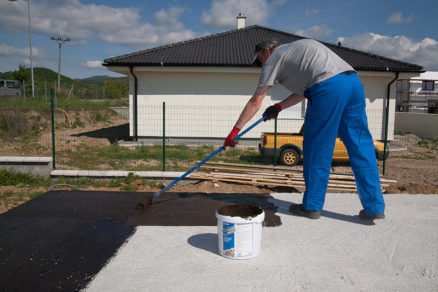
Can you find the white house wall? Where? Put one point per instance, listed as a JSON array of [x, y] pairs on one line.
[[422, 125], [419, 95], [375, 88], [207, 104], [201, 104]]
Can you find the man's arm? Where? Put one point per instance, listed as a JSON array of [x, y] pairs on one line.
[[252, 106], [273, 111], [291, 100]]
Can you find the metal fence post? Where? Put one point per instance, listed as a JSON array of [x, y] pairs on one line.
[[164, 136], [385, 144], [275, 143], [53, 128], [388, 91]]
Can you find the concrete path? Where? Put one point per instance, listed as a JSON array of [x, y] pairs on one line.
[[337, 252]]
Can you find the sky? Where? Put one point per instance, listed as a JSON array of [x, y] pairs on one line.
[[404, 30]]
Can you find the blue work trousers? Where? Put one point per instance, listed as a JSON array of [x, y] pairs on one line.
[[337, 105]]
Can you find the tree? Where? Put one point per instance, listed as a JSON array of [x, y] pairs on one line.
[[116, 89], [22, 74]]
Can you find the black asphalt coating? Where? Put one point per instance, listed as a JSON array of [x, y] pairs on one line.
[[62, 239]]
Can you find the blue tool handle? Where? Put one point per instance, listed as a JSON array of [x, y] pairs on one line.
[[207, 158], [189, 171], [250, 128]]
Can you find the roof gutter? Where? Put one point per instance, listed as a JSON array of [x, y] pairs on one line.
[[131, 69], [388, 91]]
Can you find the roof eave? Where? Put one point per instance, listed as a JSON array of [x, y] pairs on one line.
[[130, 64]]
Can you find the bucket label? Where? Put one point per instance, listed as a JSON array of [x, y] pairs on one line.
[[228, 236], [244, 239]]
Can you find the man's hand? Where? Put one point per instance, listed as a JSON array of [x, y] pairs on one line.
[[272, 111], [229, 141]]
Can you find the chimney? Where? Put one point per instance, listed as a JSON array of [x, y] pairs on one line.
[[241, 20]]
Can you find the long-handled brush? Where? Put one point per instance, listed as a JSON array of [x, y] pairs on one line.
[[145, 203]]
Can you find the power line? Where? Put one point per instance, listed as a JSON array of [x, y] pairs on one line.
[[60, 41]]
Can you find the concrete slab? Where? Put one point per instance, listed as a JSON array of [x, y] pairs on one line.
[[69, 172], [74, 240], [26, 159], [39, 166], [338, 252]]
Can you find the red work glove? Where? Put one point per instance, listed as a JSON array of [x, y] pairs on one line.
[[272, 111], [229, 141]]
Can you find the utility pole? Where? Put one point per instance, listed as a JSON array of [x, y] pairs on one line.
[[30, 48], [30, 44], [60, 41]]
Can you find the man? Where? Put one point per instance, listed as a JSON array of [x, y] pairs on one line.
[[336, 104]]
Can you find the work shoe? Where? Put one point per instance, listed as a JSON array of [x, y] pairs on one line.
[[364, 216], [300, 211]]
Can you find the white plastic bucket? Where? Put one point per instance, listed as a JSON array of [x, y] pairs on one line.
[[239, 231]]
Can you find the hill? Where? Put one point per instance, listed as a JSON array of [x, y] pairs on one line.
[[97, 87], [101, 80]]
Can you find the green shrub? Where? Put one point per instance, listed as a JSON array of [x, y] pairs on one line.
[[78, 123], [115, 183], [129, 188], [12, 178], [130, 178]]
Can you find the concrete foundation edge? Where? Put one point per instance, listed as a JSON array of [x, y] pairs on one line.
[[36, 166]]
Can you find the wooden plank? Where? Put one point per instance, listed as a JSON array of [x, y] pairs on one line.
[[272, 180], [273, 183], [271, 177], [287, 173], [252, 166], [278, 170], [264, 180], [279, 178]]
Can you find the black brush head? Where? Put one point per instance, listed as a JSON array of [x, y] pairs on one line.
[[145, 203]]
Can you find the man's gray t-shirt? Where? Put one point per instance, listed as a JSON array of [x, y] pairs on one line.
[[301, 64]]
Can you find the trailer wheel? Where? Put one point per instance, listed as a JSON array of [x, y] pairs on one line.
[[289, 157]]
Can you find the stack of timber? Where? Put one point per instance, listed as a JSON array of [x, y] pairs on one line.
[[273, 176]]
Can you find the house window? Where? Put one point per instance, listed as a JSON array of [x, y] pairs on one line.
[[428, 85]]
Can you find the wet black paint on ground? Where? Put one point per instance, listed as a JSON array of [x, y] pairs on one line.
[[62, 239], [198, 209]]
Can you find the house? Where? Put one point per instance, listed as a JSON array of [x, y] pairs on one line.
[[205, 82], [418, 94]]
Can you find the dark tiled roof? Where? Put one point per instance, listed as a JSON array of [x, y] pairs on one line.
[[236, 48]]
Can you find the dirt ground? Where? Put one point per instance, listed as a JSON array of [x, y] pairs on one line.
[[416, 168], [414, 163], [19, 195]]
